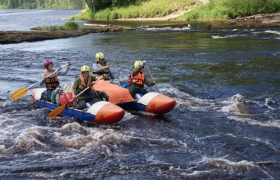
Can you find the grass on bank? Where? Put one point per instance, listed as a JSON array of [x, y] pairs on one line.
[[195, 11], [148, 9], [230, 9], [66, 26]]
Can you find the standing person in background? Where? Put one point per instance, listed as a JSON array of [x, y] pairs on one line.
[[101, 67], [52, 81], [82, 82], [138, 79]]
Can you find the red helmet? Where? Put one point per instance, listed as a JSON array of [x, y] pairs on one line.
[[47, 63]]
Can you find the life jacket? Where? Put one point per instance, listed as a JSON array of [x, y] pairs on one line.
[[129, 79], [139, 79], [51, 81], [105, 72], [83, 85]]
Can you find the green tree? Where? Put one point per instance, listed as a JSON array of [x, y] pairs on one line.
[[90, 4], [37, 4]]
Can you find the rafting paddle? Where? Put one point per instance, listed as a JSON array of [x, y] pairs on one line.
[[22, 91], [59, 109], [150, 75]]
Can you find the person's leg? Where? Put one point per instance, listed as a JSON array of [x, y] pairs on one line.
[[81, 104], [94, 98], [49, 94], [44, 95], [140, 93], [102, 96], [132, 90], [143, 91]]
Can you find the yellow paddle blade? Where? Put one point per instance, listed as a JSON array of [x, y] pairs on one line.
[[56, 111], [19, 93]]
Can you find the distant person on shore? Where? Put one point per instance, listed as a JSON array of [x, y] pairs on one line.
[[52, 81], [101, 67], [138, 79]]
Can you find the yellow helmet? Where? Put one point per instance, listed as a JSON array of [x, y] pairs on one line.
[[85, 68], [137, 64], [99, 56]]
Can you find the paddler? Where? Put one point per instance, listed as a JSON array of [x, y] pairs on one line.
[[52, 81], [82, 82], [138, 79], [101, 67]]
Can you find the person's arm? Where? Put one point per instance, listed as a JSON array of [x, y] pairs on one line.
[[73, 92], [74, 87], [59, 73], [111, 74], [93, 78], [97, 69], [148, 82], [43, 81]]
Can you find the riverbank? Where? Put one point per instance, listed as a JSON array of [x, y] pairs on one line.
[[9, 37], [255, 21], [258, 20]]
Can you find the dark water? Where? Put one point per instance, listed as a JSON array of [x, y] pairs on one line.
[[225, 124]]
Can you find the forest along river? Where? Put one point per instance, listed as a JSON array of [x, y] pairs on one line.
[[225, 124]]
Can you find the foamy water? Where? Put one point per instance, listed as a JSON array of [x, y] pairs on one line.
[[224, 126]]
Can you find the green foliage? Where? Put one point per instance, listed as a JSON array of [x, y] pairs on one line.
[[67, 26], [250, 7], [109, 4], [42, 4], [114, 9], [118, 3], [226, 9], [71, 26], [102, 4], [86, 15], [138, 8], [114, 15]]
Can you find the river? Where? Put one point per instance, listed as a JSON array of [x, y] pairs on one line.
[[225, 124]]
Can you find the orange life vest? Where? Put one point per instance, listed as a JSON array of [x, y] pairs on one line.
[[83, 85], [52, 81], [139, 79], [129, 79]]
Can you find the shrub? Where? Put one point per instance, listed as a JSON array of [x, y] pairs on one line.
[[71, 26]]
